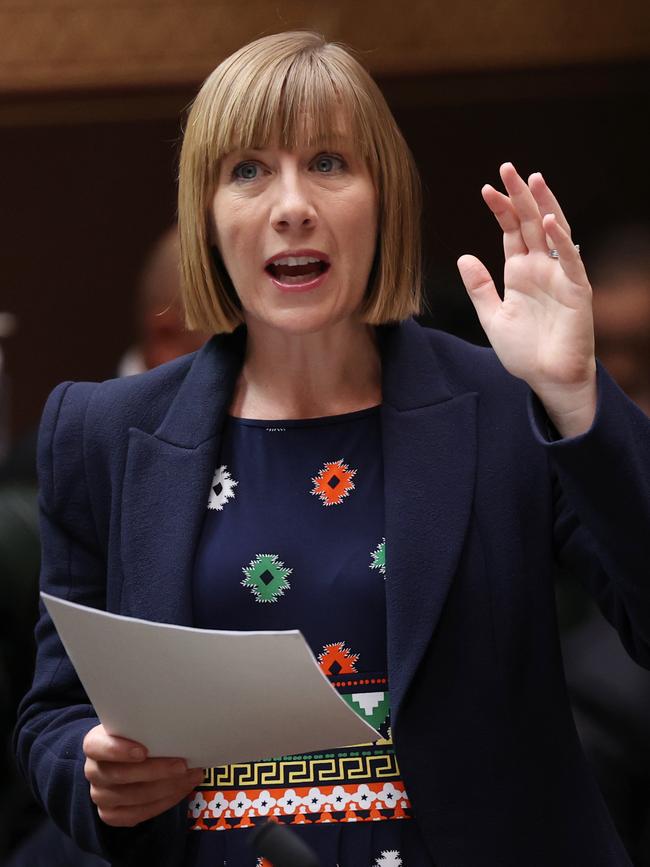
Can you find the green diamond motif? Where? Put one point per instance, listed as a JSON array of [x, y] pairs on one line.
[[266, 576], [379, 557]]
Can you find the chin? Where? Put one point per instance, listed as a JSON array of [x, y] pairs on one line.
[[302, 322]]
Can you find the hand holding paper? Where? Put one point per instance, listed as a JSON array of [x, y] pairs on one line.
[[126, 785], [211, 697]]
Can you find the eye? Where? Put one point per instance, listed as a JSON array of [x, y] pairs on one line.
[[328, 163], [246, 171]]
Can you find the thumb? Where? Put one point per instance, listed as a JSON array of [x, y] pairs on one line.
[[102, 747], [480, 288]]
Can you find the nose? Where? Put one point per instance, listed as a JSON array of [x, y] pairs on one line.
[[292, 207]]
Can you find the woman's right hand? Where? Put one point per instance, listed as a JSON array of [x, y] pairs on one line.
[[126, 785]]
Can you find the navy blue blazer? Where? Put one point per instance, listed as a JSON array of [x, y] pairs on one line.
[[479, 502]]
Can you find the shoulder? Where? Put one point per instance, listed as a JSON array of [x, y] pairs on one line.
[[140, 400], [82, 418], [116, 404]]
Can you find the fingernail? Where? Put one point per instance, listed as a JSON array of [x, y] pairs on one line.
[[137, 753], [179, 767]]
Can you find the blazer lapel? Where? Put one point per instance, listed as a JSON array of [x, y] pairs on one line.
[[429, 445], [166, 487]]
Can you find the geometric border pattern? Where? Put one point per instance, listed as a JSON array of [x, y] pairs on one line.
[[213, 810], [378, 765]]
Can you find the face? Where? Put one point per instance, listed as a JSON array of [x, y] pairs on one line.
[[297, 232]]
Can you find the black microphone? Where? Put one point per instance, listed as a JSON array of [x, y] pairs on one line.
[[282, 847]]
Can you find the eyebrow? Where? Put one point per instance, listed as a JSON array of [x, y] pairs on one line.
[[335, 140]]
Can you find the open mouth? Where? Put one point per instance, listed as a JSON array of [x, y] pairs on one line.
[[296, 270]]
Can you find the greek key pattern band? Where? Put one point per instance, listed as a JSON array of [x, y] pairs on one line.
[[358, 766]]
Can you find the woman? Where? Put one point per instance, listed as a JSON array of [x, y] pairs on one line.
[[397, 494]]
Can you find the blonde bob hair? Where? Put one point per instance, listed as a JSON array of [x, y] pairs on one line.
[[294, 89]]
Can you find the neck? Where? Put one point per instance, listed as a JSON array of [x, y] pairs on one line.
[[308, 375]]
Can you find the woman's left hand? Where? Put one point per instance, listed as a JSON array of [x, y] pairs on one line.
[[543, 330]]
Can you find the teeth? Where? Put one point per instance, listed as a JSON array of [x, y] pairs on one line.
[[295, 260]]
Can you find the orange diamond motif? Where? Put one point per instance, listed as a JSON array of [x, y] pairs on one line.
[[333, 483], [337, 659]]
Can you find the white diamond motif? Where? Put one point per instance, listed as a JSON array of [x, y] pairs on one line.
[[222, 489]]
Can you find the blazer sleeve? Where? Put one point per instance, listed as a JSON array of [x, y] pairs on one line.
[[602, 510], [56, 714]]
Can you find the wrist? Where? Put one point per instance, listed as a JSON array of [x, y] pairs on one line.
[[570, 408]]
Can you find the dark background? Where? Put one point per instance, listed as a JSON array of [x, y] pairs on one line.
[[83, 198]]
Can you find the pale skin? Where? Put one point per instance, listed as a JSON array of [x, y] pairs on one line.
[[542, 333], [543, 329]]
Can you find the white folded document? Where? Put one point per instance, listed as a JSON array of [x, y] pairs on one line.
[[210, 696]]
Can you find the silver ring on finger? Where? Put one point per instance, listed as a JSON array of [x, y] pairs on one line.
[[555, 255]]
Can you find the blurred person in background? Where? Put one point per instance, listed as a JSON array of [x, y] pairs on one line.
[[161, 336], [621, 283]]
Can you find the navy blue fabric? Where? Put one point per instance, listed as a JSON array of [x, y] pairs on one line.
[[276, 492], [333, 594], [366, 844], [477, 502]]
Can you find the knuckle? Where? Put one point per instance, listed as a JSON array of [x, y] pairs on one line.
[[118, 818], [106, 798], [109, 817], [111, 775]]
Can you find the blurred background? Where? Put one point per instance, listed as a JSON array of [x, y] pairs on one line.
[[92, 97]]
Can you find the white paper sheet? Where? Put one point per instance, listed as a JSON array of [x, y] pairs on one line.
[[212, 697]]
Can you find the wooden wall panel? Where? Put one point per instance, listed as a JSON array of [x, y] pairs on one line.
[[70, 44]]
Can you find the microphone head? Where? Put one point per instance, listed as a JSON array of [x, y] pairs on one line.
[[282, 847]]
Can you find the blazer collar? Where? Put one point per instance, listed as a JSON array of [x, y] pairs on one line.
[[412, 378], [411, 373], [201, 403], [166, 487]]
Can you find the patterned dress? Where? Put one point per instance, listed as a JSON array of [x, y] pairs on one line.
[[293, 538]]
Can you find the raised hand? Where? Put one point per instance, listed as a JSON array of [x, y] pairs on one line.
[[542, 331], [128, 787]]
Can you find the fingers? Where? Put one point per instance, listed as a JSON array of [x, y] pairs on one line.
[[520, 213], [129, 817], [127, 804], [101, 746], [137, 794], [480, 288], [501, 207], [525, 207], [124, 773], [569, 258], [126, 786], [546, 201]]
